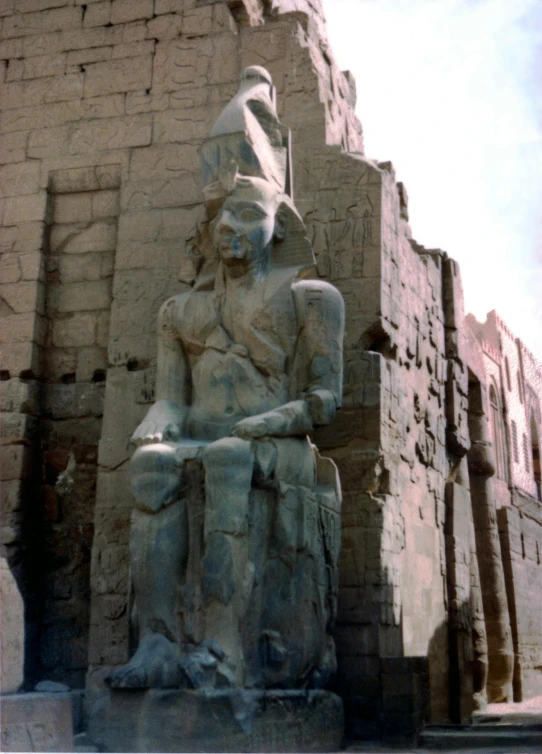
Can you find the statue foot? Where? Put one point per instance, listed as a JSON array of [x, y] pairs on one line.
[[327, 667], [155, 665], [204, 667]]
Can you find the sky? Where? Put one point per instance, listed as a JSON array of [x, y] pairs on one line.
[[450, 91]]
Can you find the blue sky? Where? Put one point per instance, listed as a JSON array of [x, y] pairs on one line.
[[451, 92]]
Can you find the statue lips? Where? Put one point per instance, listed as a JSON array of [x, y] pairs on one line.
[[233, 248]]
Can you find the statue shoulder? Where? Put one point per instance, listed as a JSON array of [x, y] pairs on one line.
[[319, 360], [318, 299], [172, 310]]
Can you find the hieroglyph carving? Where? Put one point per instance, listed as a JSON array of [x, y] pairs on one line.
[[235, 534]]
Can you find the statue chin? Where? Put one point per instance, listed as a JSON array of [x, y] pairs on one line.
[[236, 267]]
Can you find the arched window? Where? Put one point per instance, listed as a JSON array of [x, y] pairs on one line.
[[535, 446], [520, 388], [497, 433]]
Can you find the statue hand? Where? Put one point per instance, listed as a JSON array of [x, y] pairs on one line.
[[272, 424], [163, 422]]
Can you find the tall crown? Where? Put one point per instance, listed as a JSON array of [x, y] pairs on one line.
[[248, 138]]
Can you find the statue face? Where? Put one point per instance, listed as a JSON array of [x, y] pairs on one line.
[[245, 224]]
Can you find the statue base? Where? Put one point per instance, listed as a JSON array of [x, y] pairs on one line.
[[217, 721]]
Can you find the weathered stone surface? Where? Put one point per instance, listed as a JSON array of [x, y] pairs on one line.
[[239, 424], [11, 633], [36, 722], [279, 721], [124, 75], [412, 362]]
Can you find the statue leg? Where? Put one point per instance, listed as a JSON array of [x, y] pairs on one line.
[[228, 467], [158, 553]]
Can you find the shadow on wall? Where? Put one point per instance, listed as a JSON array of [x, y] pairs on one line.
[[390, 698], [387, 695]]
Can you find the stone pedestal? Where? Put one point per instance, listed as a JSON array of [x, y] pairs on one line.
[[36, 722], [217, 721]]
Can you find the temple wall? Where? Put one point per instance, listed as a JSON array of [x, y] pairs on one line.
[[521, 538], [516, 377], [104, 107]]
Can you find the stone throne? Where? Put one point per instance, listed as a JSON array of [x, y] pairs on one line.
[[235, 534]]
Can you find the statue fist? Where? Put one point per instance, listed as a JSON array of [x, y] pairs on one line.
[[271, 424], [163, 422]]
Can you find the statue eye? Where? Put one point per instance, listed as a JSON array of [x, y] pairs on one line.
[[250, 214]]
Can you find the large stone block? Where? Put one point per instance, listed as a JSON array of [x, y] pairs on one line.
[[28, 266], [134, 49], [27, 208], [19, 179], [79, 330], [124, 75], [75, 399], [80, 296], [236, 721], [16, 462], [23, 24], [97, 14], [12, 146], [72, 208], [11, 633], [110, 133], [86, 179], [167, 26], [100, 236], [90, 55], [184, 190], [18, 429], [24, 327], [41, 91], [124, 11], [23, 296], [44, 65], [174, 65], [78, 267], [36, 722], [19, 396], [32, 6], [172, 6], [163, 162]]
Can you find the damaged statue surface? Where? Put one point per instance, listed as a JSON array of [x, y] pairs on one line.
[[235, 534]]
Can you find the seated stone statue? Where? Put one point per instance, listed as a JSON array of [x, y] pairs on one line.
[[235, 534]]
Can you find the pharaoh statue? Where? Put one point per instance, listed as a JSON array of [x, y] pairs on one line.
[[235, 533]]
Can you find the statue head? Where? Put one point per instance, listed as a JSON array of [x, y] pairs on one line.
[[248, 222]]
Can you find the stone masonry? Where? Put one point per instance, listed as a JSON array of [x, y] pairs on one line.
[[104, 106]]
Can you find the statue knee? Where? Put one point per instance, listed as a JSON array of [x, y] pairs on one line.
[[230, 454], [155, 475]]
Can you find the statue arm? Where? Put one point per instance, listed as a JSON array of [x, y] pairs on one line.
[[165, 418], [319, 360], [317, 370]]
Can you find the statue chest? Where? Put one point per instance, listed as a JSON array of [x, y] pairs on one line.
[[260, 327]]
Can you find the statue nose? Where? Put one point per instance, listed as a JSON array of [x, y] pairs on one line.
[[226, 222]]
